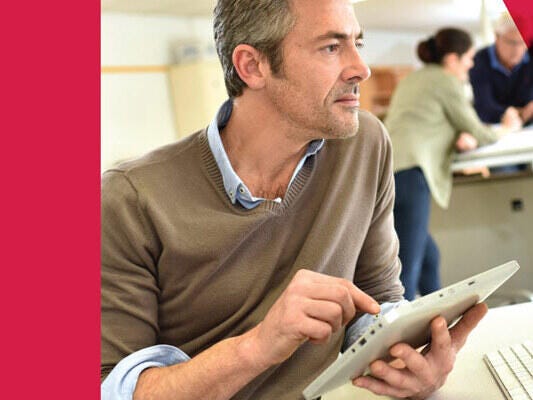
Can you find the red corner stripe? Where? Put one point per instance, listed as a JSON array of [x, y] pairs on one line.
[[522, 13]]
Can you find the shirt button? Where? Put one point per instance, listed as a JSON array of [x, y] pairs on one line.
[[241, 189]]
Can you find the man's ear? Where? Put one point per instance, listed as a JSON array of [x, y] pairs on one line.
[[251, 65]]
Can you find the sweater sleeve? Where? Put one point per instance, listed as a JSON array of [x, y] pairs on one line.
[[129, 290], [485, 104], [378, 265], [462, 115]]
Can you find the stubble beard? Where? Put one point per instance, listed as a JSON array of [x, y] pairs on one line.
[[334, 126], [321, 121], [342, 129]]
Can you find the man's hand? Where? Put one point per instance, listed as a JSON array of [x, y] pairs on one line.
[[511, 119], [526, 112], [417, 375], [312, 307]]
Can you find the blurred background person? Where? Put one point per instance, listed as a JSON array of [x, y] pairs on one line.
[[428, 119], [502, 78]]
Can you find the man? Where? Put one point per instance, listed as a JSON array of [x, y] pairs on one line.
[[502, 77], [251, 245]]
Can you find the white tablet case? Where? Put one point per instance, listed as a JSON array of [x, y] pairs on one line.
[[408, 323]]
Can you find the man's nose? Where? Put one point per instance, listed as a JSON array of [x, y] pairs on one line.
[[356, 69]]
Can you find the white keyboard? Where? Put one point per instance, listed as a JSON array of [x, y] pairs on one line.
[[512, 367]]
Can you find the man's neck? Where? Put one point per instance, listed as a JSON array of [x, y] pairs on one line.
[[506, 65], [261, 149]]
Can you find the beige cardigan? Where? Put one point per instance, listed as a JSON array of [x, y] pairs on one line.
[[428, 111]]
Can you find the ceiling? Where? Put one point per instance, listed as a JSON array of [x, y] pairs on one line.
[[375, 14], [166, 7]]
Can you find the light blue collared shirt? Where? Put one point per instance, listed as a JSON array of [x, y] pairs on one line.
[[121, 381], [497, 65], [235, 187]]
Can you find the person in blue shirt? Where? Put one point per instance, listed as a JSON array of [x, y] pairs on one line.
[[502, 77]]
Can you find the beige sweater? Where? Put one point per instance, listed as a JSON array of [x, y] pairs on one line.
[[428, 111], [183, 266]]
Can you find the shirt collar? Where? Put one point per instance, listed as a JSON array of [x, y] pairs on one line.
[[497, 65], [234, 186]]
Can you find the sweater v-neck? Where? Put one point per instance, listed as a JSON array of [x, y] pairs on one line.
[[212, 170]]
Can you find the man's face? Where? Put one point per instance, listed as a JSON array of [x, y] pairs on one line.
[[317, 91], [510, 48]]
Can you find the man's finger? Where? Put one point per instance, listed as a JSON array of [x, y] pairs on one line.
[[413, 360], [400, 379], [361, 300], [470, 319], [379, 387], [441, 342], [334, 293], [326, 311], [316, 331]]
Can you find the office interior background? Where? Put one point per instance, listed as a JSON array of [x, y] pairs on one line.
[[161, 80]]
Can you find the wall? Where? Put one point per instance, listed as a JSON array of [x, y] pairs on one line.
[[481, 229], [390, 47], [137, 107]]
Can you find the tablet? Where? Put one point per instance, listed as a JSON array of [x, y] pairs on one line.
[[408, 323]]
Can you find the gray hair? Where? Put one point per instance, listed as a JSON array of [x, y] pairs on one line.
[[504, 24], [261, 24]]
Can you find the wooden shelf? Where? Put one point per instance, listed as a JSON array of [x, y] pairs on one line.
[[377, 91]]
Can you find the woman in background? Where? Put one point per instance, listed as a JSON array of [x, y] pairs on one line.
[[428, 119]]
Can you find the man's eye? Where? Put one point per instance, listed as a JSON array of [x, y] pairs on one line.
[[359, 44], [332, 48]]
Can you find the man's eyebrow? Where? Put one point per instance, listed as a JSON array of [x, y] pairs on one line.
[[337, 35]]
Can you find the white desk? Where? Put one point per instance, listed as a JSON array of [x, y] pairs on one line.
[[514, 148], [470, 378]]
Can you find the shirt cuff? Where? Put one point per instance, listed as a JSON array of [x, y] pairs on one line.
[[121, 381], [355, 331]]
